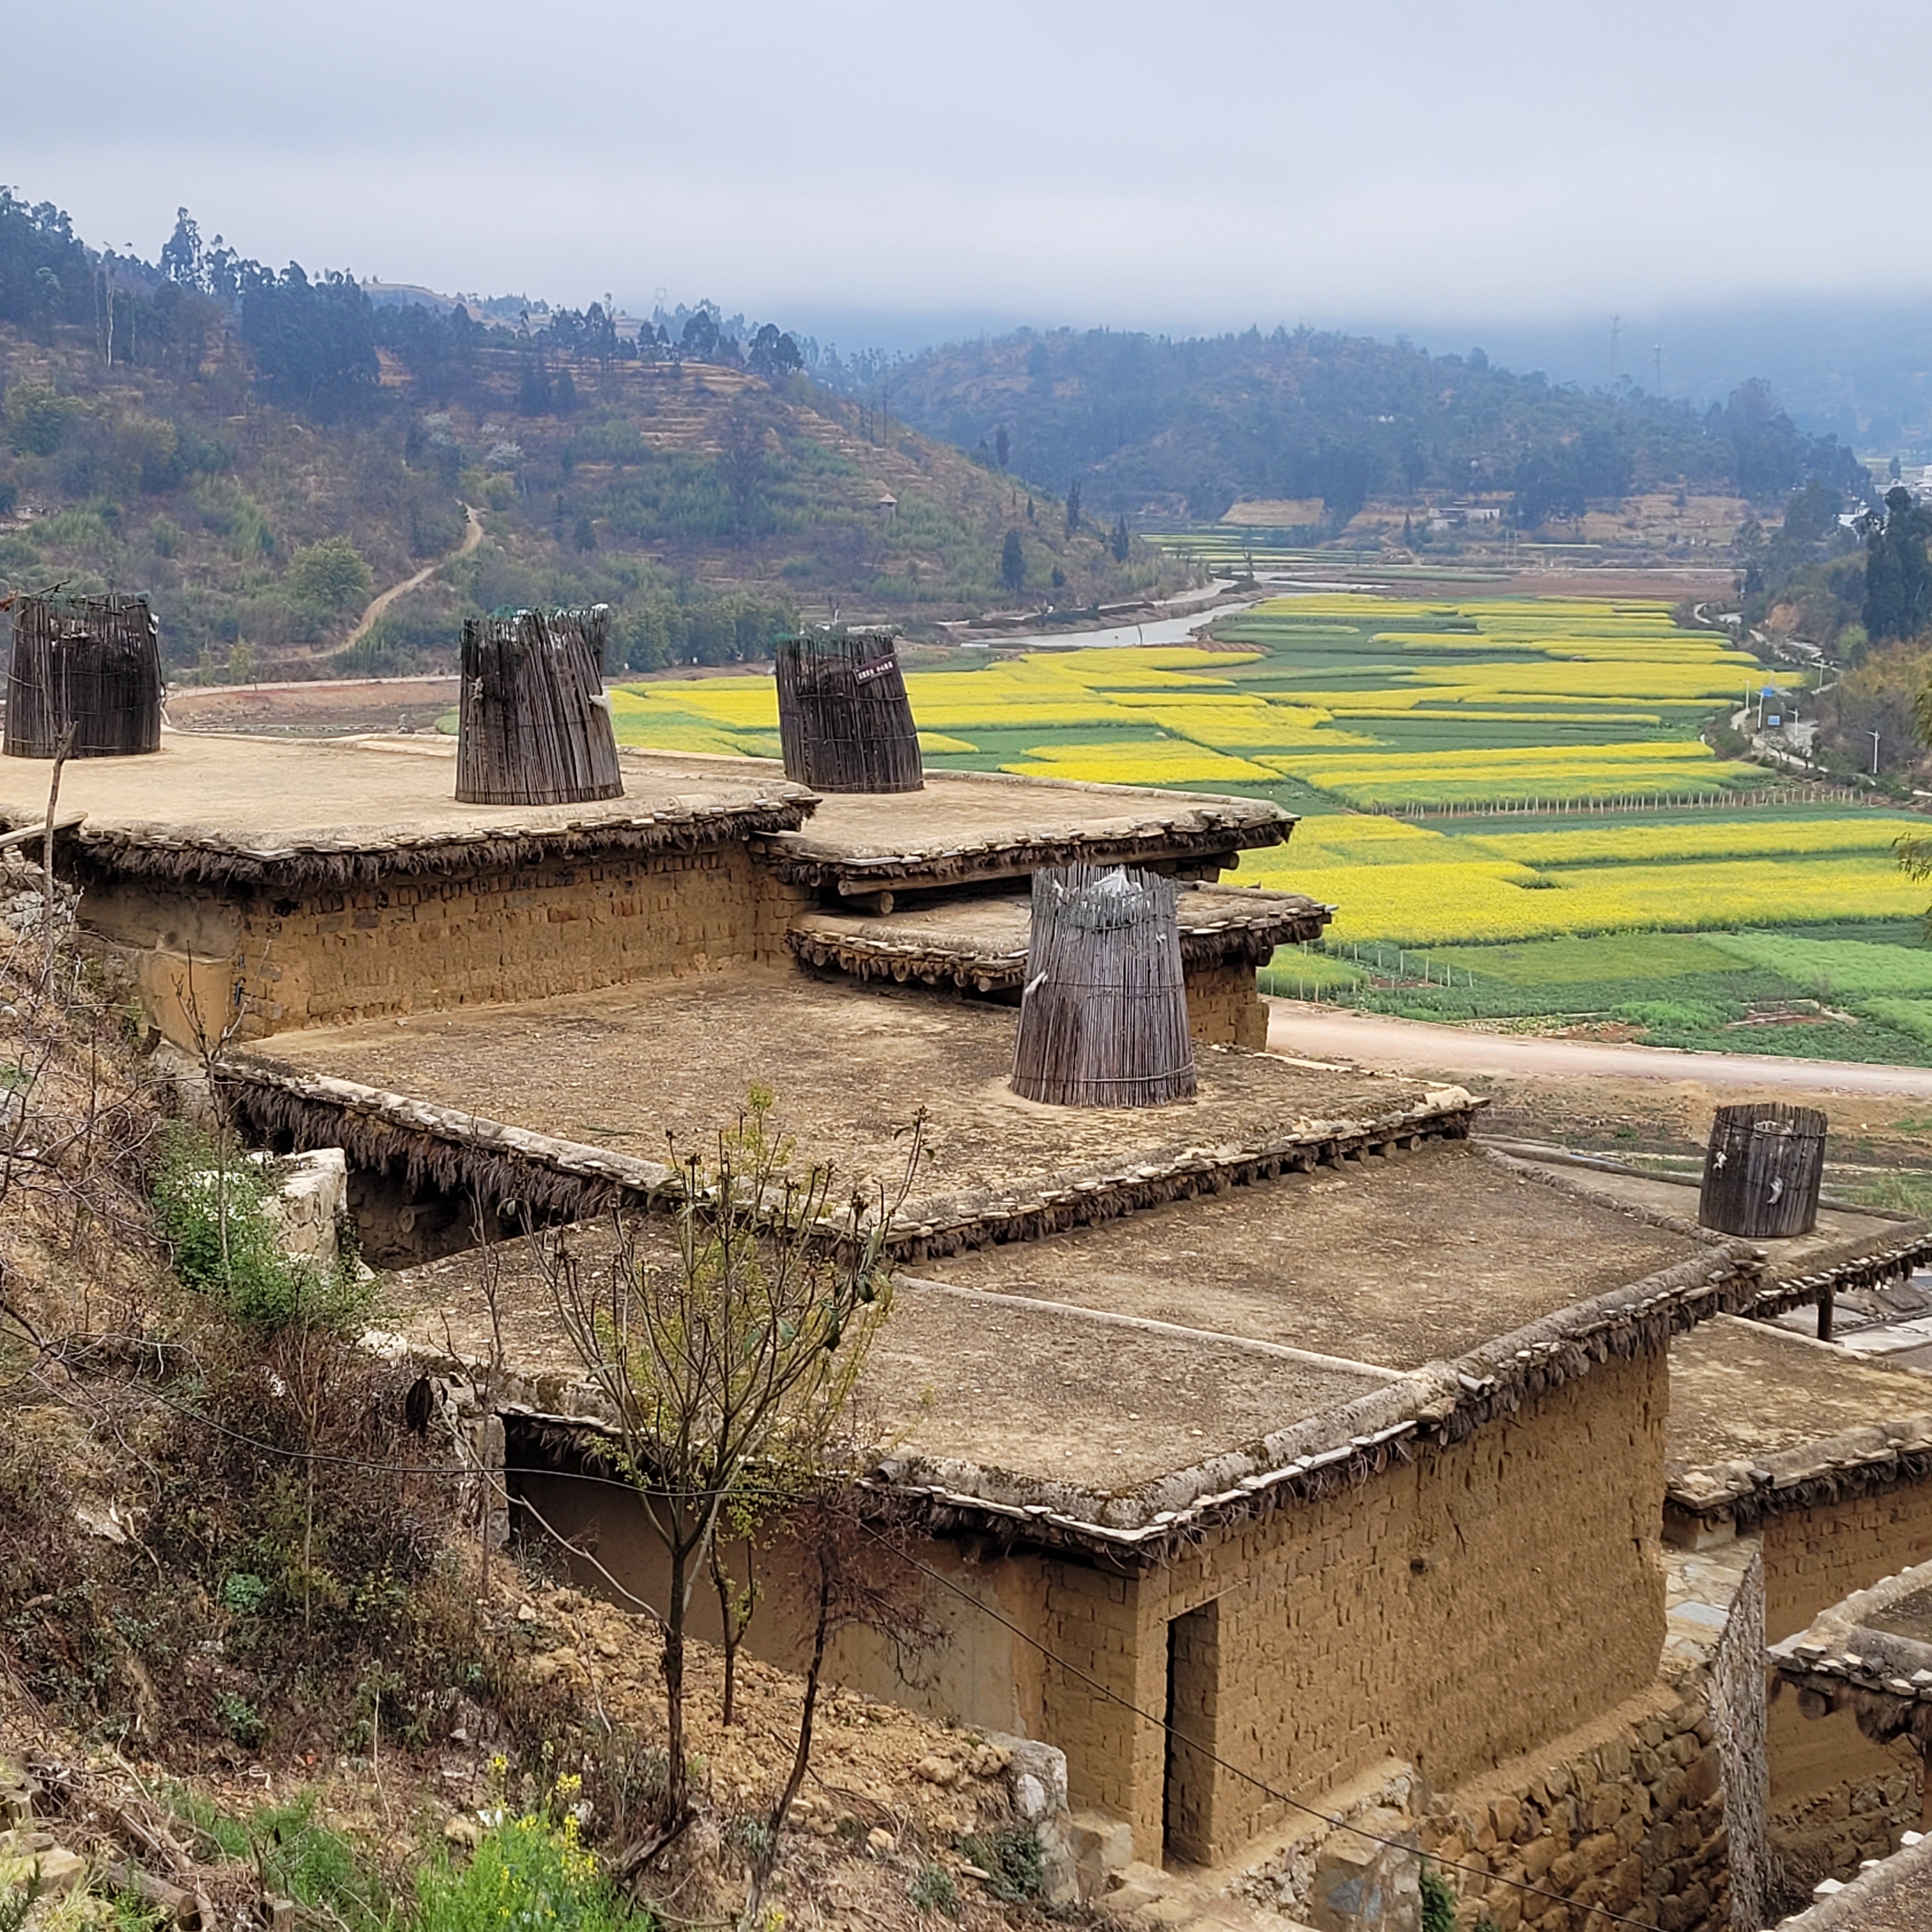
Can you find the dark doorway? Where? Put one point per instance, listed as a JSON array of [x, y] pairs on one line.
[[1193, 1678]]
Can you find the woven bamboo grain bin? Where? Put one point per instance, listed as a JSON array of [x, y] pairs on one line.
[[1103, 1019], [1762, 1171], [845, 723], [533, 724], [91, 665]]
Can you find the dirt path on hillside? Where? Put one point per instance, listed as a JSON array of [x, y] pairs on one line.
[[1374, 1039], [473, 535]]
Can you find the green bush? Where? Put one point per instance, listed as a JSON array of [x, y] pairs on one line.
[[933, 1891], [331, 576], [244, 1593], [219, 1220], [37, 418], [1011, 1860], [238, 1716], [1438, 1902]]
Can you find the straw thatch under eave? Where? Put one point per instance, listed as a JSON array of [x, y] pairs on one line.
[[201, 855], [1444, 1403], [1838, 1469], [453, 1150], [981, 944]]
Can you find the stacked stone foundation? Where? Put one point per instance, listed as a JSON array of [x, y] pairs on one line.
[[1655, 1811]]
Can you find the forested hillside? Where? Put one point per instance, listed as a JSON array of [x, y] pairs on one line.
[[261, 451], [1146, 424]]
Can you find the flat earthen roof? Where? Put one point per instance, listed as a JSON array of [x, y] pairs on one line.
[[210, 806], [1396, 1261], [1211, 1355], [226, 804], [982, 941], [611, 1072], [1849, 1247], [1759, 1417], [968, 826], [1027, 1394]]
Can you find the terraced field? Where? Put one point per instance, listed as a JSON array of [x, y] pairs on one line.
[[1379, 702]]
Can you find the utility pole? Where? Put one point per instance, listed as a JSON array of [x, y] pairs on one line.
[[1616, 327], [1657, 359], [1874, 738]]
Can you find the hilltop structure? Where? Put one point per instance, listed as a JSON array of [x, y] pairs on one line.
[[1278, 1455]]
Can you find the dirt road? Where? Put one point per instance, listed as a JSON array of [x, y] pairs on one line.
[[473, 535], [1321, 1033]]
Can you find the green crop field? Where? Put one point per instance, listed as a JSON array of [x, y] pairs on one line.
[[1866, 995], [1503, 797]]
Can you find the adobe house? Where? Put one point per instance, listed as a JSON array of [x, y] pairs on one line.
[[1286, 1415], [1822, 1459], [316, 883]]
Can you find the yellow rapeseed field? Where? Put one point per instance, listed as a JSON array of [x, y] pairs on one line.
[[1397, 702], [1155, 761], [1688, 839], [1434, 901]]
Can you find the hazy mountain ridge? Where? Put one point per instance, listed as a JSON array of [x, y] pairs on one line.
[[1152, 426]]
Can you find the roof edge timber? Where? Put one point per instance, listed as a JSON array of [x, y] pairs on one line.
[[203, 855], [451, 1149]]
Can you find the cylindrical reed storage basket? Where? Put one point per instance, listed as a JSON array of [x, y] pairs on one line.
[[1762, 1171], [533, 724], [1103, 1020], [844, 720], [90, 665]]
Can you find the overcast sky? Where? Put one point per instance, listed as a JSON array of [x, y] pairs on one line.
[[1152, 165]]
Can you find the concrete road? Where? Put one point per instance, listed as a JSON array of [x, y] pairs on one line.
[[1323, 1033]]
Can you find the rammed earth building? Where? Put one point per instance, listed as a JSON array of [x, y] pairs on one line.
[[1284, 1448]]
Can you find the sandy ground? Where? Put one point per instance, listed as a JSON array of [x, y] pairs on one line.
[[318, 708]]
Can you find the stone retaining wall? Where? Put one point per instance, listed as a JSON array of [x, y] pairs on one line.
[[1655, 1811]]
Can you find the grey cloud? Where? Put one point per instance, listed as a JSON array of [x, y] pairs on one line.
[[1142, 164]]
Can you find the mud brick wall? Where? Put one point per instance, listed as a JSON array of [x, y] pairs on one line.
[[1836, 1798], [1655, 1810], [1817, 1557], [1378, 1622], [1225, 1008], [323, 956]]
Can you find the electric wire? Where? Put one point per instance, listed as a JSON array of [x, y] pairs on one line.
[[1247, 1777], [448, 1473]]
